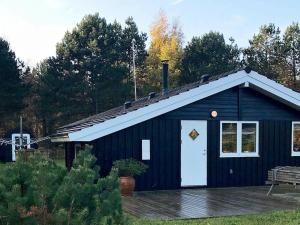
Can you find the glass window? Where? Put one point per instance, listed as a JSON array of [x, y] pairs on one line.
[[296, 139], [24, 142], [248, 137], [229, 137], [239, 139]]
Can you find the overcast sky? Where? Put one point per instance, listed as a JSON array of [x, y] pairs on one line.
[[33, 27]]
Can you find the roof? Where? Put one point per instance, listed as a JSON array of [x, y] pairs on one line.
[[145, 108]]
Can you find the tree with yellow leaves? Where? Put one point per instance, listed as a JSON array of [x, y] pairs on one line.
[[166, 44]]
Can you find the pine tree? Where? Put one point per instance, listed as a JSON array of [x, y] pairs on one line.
[[91, 71], [266, 53], [209, 54], [27, 188], [36, 190], [291, 40], [12, 87], [84, 198]]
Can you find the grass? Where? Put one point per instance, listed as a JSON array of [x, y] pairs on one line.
[[60, 162], [291, 217], [1, 165]]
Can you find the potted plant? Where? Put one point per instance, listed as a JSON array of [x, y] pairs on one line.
[[127, 169]]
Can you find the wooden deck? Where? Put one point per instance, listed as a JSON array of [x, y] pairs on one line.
[[201, 203]]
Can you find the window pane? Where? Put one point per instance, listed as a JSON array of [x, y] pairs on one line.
[[296, 141], [248, 137], [24, 142], [229, 133]]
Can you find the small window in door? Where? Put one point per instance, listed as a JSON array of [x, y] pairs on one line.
[[193, 134]]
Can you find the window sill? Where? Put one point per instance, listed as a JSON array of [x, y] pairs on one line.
[[239, 155]]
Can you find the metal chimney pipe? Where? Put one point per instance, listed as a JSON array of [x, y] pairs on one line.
[[165, 76]]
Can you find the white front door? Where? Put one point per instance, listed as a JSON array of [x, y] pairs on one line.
[[193, 152]]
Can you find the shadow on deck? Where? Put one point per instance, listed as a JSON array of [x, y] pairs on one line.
[[212, 202]]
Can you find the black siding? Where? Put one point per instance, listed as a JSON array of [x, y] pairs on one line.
[[163, 172], [236, 103], [274, 118], [274, 150]]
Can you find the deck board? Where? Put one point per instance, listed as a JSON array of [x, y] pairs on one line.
[[214, 202]]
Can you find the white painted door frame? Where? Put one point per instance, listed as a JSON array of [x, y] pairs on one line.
[[193, 153]]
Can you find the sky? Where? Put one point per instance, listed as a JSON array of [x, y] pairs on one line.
[[33, 27]]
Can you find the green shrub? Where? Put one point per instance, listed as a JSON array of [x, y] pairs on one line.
[[129, 167], [38, 191]]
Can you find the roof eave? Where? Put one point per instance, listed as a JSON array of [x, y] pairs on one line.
[[58, 139]]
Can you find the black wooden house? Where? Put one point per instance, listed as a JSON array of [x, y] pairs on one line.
[[225, 130]]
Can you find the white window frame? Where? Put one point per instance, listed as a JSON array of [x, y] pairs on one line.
[[239, 152], [293, 153], [13, 146], [146, 149]]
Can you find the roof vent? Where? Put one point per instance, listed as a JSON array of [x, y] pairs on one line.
[[247, 69], [204, 78], [151, 95], [127, 104]]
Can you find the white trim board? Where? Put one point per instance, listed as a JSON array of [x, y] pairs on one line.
[[270, 87], [293, 153]]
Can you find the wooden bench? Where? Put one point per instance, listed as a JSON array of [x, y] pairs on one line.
[[283, 174]]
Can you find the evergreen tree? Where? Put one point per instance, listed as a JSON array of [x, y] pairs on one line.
[[83, 198], [266, 53], [209, 54], [291, 40], [36, 190], [27, 188], [91, 71], [129, 33], [12, 87], [61, 97]]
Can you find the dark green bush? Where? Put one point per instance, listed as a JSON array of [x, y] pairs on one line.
[[129, 167], [38, 191]]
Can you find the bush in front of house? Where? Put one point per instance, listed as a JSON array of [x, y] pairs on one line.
[[129, 167], [38, 191]]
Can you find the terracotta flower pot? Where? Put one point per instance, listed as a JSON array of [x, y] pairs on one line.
[[127, 185]]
